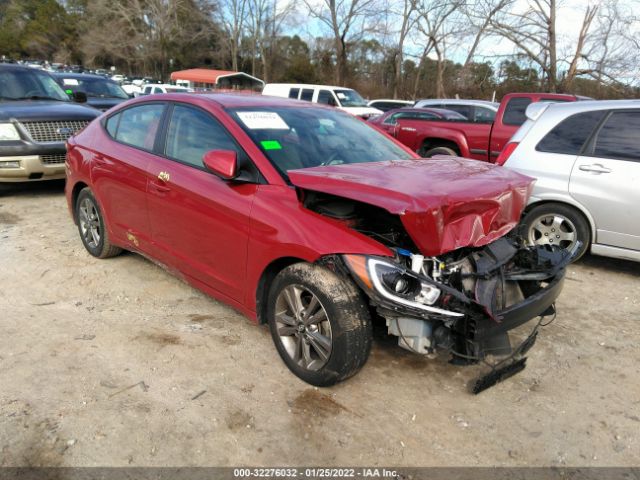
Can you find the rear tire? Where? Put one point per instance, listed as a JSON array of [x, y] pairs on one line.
[[556, 224], [319, 323], [437, 151], [92, 227]]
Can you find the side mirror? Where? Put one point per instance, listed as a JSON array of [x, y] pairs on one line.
[[79, 97], [223, 163]]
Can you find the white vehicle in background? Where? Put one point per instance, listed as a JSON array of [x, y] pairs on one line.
[[131, 89], [386, 104], [586, 159], [152, 88], [343, 98], [117, 78]]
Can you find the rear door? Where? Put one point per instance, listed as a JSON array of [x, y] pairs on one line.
[[119, 171], [606, 179], [199, 223]]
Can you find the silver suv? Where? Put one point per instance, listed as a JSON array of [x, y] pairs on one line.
[[586, 157]]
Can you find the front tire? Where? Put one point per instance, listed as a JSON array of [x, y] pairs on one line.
[[92, 227], [319, 323], [556, 224]]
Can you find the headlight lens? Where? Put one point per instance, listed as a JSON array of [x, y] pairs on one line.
[[8, 132], [395, 283]]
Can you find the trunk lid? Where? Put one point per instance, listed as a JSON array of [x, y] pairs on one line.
[[444, 203]]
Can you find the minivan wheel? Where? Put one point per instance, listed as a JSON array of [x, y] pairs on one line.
[[91, 226], [437, 151], [319, 323], [556, 224]]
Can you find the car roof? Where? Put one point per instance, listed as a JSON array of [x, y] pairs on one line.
[[390, 100], [14, 66], [570, 108], [308, 85], [461, 101], [81, 76], [231, 100]]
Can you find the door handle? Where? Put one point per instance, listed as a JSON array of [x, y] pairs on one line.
[[164, 177], [595, 168]]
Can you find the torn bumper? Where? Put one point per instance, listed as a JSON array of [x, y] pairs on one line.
[[474, 300]]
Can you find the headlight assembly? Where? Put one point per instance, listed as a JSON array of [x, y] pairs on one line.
[[395, 283], [8, 132]]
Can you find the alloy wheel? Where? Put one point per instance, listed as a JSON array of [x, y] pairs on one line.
[[553, 229], [89, 223], [303, 327]]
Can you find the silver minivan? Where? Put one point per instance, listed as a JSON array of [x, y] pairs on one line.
[[586, 158]]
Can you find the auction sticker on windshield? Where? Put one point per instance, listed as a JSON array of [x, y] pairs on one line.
[[263, 120]]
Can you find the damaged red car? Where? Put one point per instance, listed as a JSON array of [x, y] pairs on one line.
[[307, 219]]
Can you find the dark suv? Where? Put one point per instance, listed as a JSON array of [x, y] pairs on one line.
[[36, 118]]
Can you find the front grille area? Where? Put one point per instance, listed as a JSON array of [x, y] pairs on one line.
[[54, 159], [57, 131]]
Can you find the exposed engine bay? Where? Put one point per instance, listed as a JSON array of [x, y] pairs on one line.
[[463, 302]]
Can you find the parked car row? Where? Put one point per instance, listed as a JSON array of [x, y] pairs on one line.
[[318, 223]]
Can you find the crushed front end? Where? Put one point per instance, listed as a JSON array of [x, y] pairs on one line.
[[464, 302]]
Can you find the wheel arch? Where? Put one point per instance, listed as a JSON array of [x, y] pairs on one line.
[[264, 283], [77, 188], [428, 143]]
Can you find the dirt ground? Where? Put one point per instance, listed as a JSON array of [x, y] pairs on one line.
[[117, 363]]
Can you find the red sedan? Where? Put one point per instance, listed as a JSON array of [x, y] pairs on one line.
[[306, 218], [388, 120]]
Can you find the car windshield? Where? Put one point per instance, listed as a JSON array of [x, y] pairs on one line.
[[294, 138], [176, 90], [95, 87], [29, 85], [350, 98]]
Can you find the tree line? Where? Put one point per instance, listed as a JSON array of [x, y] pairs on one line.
[[384, 48]]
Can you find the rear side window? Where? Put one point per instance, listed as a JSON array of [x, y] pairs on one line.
[[326, 97], [293, 92], [307, 94], [138, 125], [112, 125], [483, 115], [463, 110], [514, 112], [618, 137], [569, 135], [192, 133]]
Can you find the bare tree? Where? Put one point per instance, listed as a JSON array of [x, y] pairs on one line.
[[434, 26], [349, 21], [266, 19], [478, 15], [408, 18], [534, 33], [232, 16], [148, 31]]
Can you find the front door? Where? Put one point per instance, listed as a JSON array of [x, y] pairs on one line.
[[199, 222], [606, 179]]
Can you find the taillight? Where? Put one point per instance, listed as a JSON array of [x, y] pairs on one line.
[[506, 153]]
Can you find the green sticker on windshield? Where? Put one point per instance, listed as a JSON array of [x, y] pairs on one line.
[[271, 145], [68, 92]]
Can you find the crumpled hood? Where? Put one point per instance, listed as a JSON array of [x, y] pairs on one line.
[[445, 203]]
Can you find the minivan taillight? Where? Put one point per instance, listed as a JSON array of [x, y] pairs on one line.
[[506, 153]]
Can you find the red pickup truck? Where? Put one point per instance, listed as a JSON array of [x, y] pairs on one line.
[[477, 140]]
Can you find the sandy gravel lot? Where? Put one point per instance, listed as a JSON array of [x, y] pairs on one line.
[[116, 362]]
